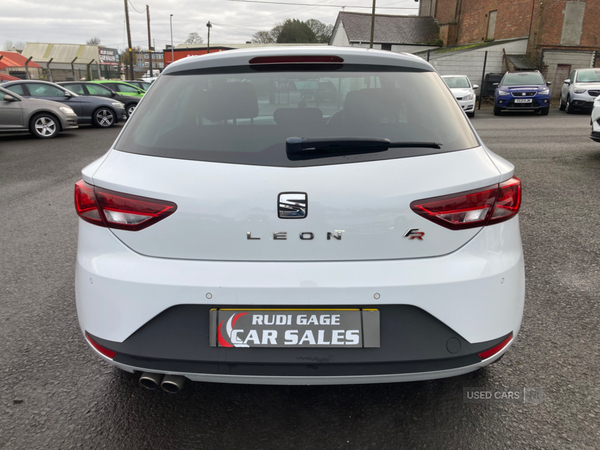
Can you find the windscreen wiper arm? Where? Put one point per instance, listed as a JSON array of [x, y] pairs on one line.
[[296, 146]]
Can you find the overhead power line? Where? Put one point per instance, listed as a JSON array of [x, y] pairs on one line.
[[319, 4], [141, 12]]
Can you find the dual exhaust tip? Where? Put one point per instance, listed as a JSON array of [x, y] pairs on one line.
[[173, 384]]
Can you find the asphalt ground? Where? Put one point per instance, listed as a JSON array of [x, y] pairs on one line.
[[56, 394]]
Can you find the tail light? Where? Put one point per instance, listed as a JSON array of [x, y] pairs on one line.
[[103, 350], [324, 59], [118, 210], [472, 209], [492, 351]]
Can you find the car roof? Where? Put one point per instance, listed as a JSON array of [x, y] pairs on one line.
[[350, 55], [10, 83]]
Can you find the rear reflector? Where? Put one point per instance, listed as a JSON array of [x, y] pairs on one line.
[[492, 351], [103, 350], [322, 59], [472, 209], [118, 210]]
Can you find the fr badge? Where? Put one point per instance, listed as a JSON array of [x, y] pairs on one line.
[[414, 233]]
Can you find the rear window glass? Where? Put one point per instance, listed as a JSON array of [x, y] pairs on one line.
[[246, 117], [522, 79]]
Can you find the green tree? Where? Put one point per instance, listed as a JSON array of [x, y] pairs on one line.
[[262, 37], [296, 31], [322, 31]]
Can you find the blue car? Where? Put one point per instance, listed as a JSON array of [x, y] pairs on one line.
[[519, 91]]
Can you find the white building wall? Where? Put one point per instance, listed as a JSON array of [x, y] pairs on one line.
[[576, 59], [470, 63], [341, 38], [397, 48]]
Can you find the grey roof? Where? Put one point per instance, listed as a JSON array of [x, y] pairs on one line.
[[389, 29], [61, 53], [521, 62]]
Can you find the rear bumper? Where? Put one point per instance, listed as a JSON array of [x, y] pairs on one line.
[[154, 312]]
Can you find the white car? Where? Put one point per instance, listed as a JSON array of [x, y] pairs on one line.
[[463, 91], [580, 90], [595, 121], [236, 233]]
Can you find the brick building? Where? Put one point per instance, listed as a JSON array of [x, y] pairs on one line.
[[561, 34]]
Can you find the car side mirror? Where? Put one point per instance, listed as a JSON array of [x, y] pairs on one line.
[[568, 81], [68, 94], [475, 86], [496, 84], [548, 83], [10, 98], [141, 92]]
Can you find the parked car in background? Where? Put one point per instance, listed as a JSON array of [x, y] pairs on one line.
[[463, 91], [518, 91], [121, 87], [595, 121], [100, 112], [382, 245], [580, 90], [42, 118], [139, 84], [87, 88]]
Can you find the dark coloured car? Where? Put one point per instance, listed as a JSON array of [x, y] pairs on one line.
[[84, 88], [100, 112], [139, 83], [518, 91]]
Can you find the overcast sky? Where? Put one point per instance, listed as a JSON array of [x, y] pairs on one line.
[[74, 22]]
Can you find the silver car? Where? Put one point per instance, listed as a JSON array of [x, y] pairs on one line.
[[42, 118], [580, 90]]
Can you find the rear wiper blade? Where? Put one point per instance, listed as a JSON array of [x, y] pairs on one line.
[[296, 146]]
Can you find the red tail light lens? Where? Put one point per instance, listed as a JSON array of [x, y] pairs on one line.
[[472, 209], [323, 59], [492, 351], [85, 203], [103, 350], [118, 210]]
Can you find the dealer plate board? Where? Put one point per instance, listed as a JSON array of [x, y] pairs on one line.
[[289, 328]]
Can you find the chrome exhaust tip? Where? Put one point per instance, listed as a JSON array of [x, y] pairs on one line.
[[172, 384], [150, 380]]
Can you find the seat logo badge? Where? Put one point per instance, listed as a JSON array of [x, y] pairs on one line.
[[414, 233], [292, 205]]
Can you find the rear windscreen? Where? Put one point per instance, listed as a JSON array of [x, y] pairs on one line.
[[246, 116]]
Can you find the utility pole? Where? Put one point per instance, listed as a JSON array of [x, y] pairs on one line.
[[172, 51], [372, 24], [129, 48], [209, 26], [149, 40]]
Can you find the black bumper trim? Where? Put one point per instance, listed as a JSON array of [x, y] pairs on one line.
[[412, 341]]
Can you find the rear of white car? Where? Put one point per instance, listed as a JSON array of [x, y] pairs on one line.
[[246, 227]]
